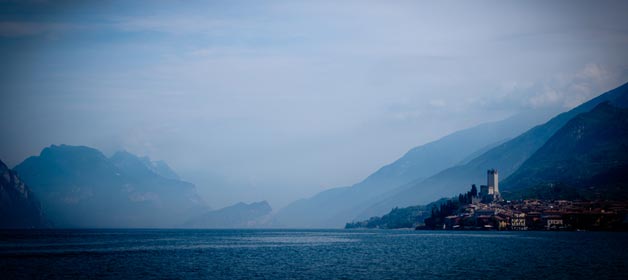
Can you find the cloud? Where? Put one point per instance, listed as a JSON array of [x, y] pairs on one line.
[[249, 90], [172, 25], [592, 80], [546, 98], [438, 103], [21, 28], [568, 90]]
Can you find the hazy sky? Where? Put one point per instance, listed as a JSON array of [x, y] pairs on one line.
[[277, 100]]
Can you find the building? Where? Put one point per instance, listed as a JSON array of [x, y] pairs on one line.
[[490, 191], [492, 178], [553, 222], [484, 191], [518, 221]]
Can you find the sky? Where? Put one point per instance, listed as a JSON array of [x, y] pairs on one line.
[[278, 100]]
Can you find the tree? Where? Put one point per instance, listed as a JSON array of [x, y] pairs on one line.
[[474, 191]]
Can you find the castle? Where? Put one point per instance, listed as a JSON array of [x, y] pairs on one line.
[[490, 191]]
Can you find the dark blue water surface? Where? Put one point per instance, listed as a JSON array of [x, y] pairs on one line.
[[311, 254]]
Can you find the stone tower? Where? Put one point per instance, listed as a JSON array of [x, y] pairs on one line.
[[493, 182]]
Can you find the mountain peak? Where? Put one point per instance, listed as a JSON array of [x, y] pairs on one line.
[[56, 150], [80, 187], [18, 206], [126, 160]]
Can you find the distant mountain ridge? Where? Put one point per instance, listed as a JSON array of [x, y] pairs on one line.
[[240, 215], [19, 208], [128, 161], [586, 159], [81, 187], [507, 157], [334, 207]]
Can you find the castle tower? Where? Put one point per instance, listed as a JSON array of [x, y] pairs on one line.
[[493, 182]]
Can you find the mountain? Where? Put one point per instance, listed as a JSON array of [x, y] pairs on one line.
[[586, 159], [161, 168], [332, 208], [506, 157], [18, 206], [240, 215], [142, 168], [81, 187]]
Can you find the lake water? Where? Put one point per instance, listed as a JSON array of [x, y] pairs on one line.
[[311, 254]]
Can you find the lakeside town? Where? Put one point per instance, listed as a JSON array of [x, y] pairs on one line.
[[487, 210]]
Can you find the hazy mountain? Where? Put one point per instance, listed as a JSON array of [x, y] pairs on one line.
[[240, 215], [506, 157], [18, 206], [80, 187], [142, 168], [586, 158], [160, 168], [332, 208]]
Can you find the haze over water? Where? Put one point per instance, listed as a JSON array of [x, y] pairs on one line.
[[278, 100]]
